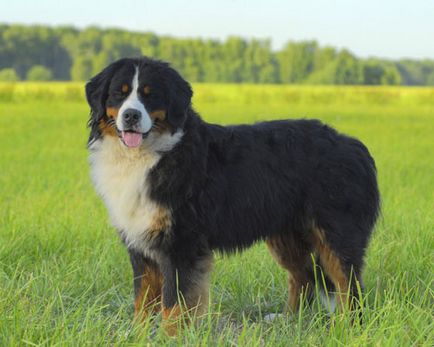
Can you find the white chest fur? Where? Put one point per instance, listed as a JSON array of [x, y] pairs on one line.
[[120, 177]]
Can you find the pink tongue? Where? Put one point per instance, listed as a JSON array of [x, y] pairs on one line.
[[132, 139]]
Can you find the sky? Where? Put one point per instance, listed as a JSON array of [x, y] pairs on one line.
[[381, 28]]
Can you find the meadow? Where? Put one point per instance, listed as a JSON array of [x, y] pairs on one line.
[[65, 277]]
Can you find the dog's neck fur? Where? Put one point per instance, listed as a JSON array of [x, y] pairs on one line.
[[120, 176]]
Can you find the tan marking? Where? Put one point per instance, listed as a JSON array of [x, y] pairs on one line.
[[332, 266], [293, 256], [147, 301], [319, 235], [158, 114], [160, 123], [125, 88], [105, 127], [171, 319], [161, 222], [296, 289], [112, 112], [146, 90]]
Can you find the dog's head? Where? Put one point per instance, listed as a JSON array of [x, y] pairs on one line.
[[134, 97]]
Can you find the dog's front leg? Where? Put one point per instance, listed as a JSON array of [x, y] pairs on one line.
[[185, 290], [147, 284]]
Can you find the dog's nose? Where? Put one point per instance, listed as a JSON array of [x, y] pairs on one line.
[[131, 116]]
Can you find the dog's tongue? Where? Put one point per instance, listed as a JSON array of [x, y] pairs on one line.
[[132, 139]]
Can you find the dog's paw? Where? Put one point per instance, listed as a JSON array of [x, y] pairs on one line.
[[272, 316]]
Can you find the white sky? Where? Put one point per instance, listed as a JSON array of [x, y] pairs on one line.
[[382, 28]]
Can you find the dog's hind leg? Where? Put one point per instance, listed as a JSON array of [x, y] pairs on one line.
[[344, 271], [294, 255]]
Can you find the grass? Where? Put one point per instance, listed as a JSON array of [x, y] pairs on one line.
[[65, 278]]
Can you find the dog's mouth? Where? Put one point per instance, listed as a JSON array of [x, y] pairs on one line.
[[132, 139]]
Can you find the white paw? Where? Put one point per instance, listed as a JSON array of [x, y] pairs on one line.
[[272, 316], [328, 301]]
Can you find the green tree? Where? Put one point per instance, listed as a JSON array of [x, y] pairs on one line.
[[213, 61], [348, 69], [76, 54], [115, 44], [377, 72], [39, 73], [23, 47], [259, 63], [296, 61], [345, 69], [82, 69], [8, 74], [415, 72], [372, 72], [232, 64], [430, 79], [391, 76], [323, 57]]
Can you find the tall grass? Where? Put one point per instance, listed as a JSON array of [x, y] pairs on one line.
[[65, 277]]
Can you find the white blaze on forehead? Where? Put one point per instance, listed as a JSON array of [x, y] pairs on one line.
[[133, 101]]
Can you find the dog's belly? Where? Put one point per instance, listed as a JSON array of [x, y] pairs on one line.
[[120, 178]]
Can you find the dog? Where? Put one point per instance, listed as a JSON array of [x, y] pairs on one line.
[[178, 188]]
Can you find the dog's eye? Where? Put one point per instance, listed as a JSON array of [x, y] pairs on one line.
[[146, 90], [119, 94]]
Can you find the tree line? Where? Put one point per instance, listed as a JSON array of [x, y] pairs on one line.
[[67, 53]]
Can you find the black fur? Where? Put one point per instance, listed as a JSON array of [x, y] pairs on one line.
[[96, 94], [229, 187]]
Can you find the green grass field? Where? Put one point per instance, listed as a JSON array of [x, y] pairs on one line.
[[65, 277]]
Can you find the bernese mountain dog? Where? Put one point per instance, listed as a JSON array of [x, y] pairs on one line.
[[177, 188]]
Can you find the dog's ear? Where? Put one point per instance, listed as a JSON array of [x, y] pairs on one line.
[[180, 95], [96, 95]]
